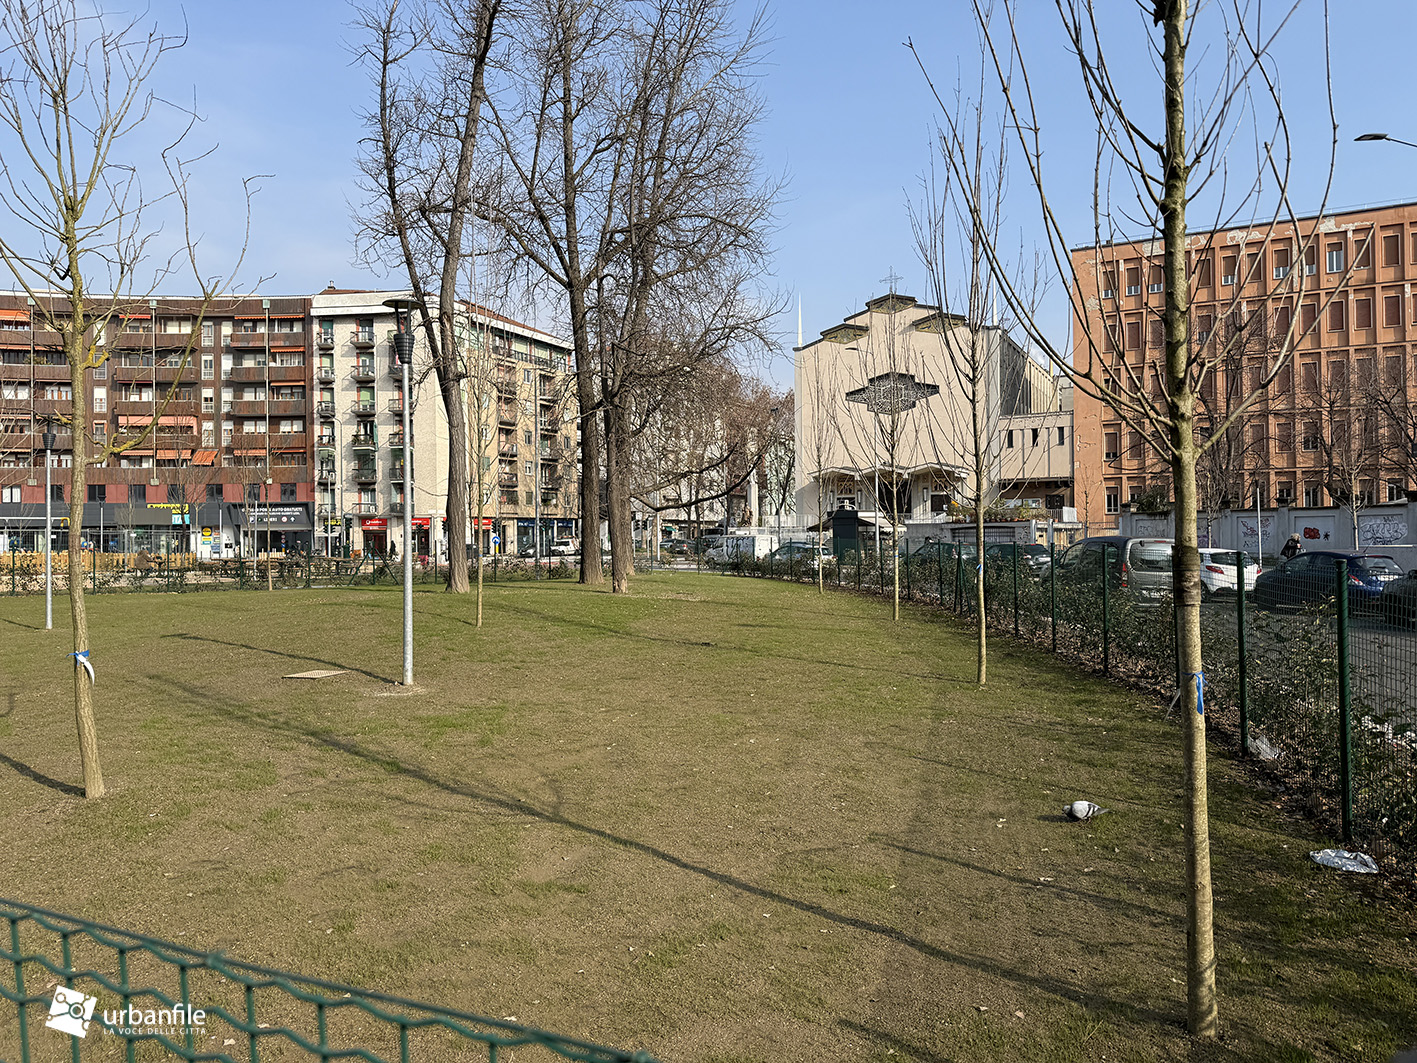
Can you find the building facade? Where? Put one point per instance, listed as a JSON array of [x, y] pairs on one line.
[[283, 430], [914, 467], [1336, 427]]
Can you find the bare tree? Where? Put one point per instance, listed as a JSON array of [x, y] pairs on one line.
[[1346, 434], [430, 67], [73, 92], [1388, 398], [1164, 163]]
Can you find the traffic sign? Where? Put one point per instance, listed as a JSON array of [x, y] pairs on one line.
[[496, 540]]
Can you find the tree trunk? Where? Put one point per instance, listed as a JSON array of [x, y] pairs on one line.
[[617, 476], [78, 611], [591, 572], [456, 511], [1202, 1016]]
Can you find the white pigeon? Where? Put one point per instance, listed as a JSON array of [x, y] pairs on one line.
[[1083, 810]]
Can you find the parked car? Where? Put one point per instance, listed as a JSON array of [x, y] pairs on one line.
[[1398, 602], [563, 548], [674, 547], [1308, 579], [803, 556], [1032, 556], [1139, 567], [1218, 572]]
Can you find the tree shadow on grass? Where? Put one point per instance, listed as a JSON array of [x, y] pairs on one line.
[[21, 768], [19, 623], [232, 708], [279, 653]]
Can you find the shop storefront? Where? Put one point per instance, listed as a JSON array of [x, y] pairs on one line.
[[275, 527]]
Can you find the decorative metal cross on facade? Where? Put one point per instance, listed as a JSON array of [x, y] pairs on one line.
[[891, 393]]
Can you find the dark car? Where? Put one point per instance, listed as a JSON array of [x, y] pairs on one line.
[[1033, 557], [1309, 580], [1398, 602]]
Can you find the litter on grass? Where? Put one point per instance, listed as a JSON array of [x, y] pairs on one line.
[[1343, 860]]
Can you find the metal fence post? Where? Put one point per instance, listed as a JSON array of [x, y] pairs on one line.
[[1016, 560], [1053, 590], [959, 581], [940, 572], [1241, 655], [1344, 701], [1106, 615]]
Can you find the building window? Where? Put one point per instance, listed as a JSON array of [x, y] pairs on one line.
[[213, 492], [1204, 273], [10, 494], [1009, 439], [1284, 493], [100, 431], [1281, 263], [1113, 501], [1035, 437], [1227, 269], [137, 492], [1311, 437], [1392, 250], [1362, 313], [1311, 261], [1133, 336], [287, 492], [1392, 310], [208, 334], [1133, 280], [1395, 491], [1333, 261], [1109, 284], [1133, 495], [1111, 441], [1061, 430], [528, 495], [1313, 495], [1337, 318], [97, 492], [1154, 280], [1361, 258]]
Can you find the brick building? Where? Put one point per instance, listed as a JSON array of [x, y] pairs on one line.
[[1336, 425]]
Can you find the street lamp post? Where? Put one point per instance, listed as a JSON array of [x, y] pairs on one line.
[[48, 535], [403, 349]]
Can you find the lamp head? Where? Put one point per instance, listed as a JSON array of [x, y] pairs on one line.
[[1371, 136]]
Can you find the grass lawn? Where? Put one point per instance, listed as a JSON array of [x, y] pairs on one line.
[[720, 819]]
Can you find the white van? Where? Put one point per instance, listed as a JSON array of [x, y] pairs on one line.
[[739, 548]]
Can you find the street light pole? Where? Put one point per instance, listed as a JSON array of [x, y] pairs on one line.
[[48, 493], [403, 350]]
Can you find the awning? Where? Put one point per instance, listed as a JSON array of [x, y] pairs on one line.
[[174, 455], [204, 457], [136, 317], [285, 349], [262, 317], [14, 315]]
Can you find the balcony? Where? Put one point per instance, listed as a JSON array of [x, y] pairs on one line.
[[246, 407], [507, 450], [364, 372], [247, 372], [117, 405], [507, 479], [396, 506], [362, 337], [396, 471], [288, 441], [395, 439], [507, 414], [324, 340], [365, 507], [550, 477], [325, 410], [365, 407], [325, 473], [395, 369], [362, 441], [396, 406], [507, 386], [365, 474], [549, 428], [548, 400], [246, 341], [146, 341], [325, 374]]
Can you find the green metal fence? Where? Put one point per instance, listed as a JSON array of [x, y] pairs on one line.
[[23, 574], [1318, 677], [159, 1000]]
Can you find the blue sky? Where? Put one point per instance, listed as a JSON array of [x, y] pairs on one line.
[[850, 125]]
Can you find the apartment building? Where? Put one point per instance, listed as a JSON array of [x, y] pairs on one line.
[[1336, 425], [284, 431], [522, 430], [229, 462]]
